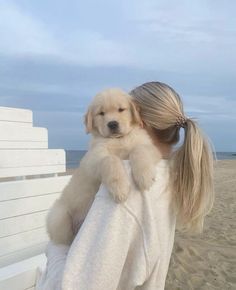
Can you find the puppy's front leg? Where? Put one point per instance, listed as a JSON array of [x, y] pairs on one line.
[[143, 160], [115, 178]]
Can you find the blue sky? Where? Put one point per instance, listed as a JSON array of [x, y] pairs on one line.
[[55, 55]]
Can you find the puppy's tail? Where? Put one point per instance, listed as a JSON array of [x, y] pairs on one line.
[[59, 224]]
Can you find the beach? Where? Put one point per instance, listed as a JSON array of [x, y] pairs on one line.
[[208, 261]]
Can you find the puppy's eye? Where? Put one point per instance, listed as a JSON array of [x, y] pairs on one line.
[[121, 110], [102, 113]]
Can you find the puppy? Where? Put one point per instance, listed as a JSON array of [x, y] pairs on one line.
[[117, 134]]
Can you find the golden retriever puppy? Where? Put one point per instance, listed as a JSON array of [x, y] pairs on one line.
[[117, 134]]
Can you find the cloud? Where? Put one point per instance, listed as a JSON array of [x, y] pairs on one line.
[[211, 109], [54, 57], [195, 20], [24, 34], [144, 34], [48, 84], [183, 35], [92, 48]]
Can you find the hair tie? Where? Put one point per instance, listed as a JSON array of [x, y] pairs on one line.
[[181, 122]]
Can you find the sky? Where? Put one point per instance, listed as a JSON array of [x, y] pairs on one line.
[[56, 55]]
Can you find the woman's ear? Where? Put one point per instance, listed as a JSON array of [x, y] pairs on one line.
[[88, 121], [135, 114]]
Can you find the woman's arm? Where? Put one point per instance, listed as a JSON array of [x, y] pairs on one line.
[[99, 252]]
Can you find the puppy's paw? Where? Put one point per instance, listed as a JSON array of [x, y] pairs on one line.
[[121, 197], [120, 190], [144, 179]]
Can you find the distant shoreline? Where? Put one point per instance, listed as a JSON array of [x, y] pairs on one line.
[[73, 157], [70, 170]]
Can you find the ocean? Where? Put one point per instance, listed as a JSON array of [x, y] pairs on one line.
[[73, 157]]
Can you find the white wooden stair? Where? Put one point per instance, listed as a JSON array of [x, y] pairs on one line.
[[28, 186]]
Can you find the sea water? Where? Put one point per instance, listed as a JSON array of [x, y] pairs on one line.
[[73, 157]]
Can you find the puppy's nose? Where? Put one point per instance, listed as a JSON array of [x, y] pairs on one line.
[[113, 125]]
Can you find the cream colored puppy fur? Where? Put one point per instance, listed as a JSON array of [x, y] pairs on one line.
[[117, 134]]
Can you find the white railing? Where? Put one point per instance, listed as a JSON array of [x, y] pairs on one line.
[[24, 197]]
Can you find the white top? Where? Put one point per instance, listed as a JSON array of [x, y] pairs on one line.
[[124, 246]]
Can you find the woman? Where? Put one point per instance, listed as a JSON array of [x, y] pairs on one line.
[[128, 246]]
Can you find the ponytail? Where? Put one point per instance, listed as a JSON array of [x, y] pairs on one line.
[[192, 177], [191, 180]]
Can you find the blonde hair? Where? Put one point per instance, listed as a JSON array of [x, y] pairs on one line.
[[192, 163]]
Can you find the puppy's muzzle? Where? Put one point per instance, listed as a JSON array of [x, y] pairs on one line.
[[113, 126]]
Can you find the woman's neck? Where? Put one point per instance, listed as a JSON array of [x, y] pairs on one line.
[[164, 148]]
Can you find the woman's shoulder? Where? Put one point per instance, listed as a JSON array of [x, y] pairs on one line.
[[150, 211], [162, 176], [162, 173], [136, 199]]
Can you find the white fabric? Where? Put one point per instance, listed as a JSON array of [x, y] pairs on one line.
[[52, 276], [119, 246]]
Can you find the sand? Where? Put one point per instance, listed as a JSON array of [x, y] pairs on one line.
[[208, 261]]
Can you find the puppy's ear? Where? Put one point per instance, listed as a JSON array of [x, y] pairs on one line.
[[88, 121], [135, 114]]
